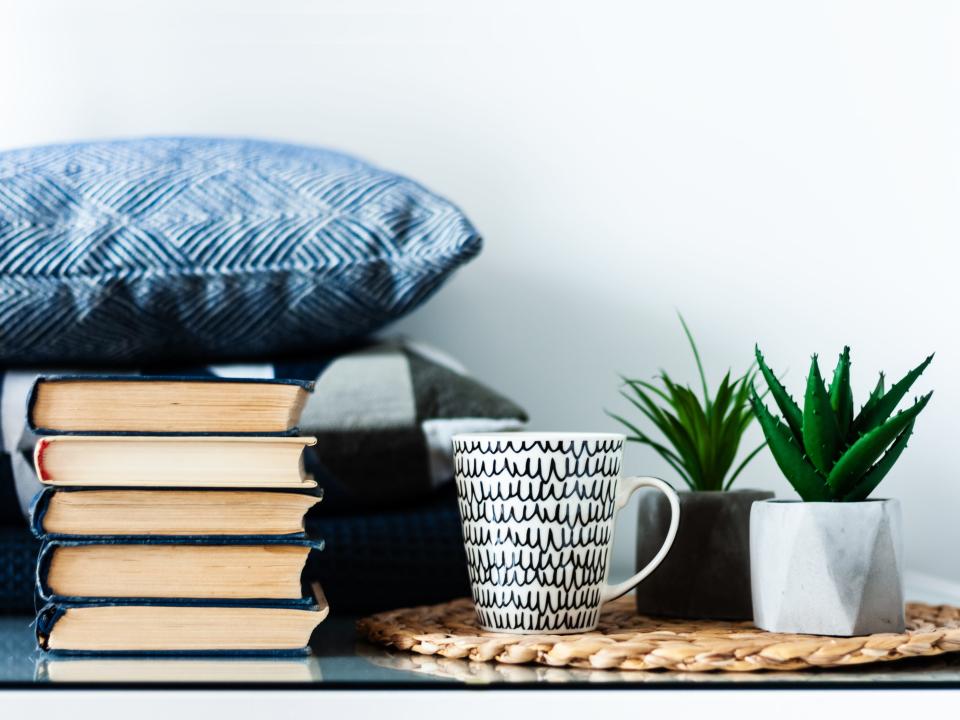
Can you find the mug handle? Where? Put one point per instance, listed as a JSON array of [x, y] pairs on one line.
[[627, 488]]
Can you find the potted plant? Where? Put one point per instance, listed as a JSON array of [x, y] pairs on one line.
[[707, 572], [830, 563]]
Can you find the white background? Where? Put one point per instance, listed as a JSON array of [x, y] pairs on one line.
[[484, 704], [784, 173]]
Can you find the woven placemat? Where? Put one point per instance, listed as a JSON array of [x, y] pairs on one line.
[[627, 641]]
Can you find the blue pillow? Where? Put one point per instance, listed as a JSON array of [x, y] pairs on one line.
[[186, 247]]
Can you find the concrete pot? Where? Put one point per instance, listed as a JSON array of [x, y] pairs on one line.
[[707, 572], [827, 568]]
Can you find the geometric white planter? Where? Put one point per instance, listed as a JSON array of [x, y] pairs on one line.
[[827, 568]]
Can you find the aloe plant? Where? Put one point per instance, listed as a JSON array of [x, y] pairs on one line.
[[826, 452], [701, 438]]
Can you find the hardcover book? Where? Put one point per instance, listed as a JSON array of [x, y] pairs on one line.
[[74, 512], [192, 570], [177, 628], [175, 523], [163, 461], [165, 405]]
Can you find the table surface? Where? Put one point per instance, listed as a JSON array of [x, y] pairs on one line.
[[341, 661]]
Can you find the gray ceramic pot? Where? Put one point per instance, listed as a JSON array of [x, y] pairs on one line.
[[706, 574], [827, 568]]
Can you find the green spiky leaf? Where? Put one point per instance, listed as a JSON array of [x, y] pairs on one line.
[[867, 484], [696, 357], [664, 452], [671, 429], [701, 436], [873, 415], [791, 411], [860, 456], [789, 456], [647, 386], [821, 434], [841, 396], [874, 398], [717, 410]]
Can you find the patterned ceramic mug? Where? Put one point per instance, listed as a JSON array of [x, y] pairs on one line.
[[538, 513]]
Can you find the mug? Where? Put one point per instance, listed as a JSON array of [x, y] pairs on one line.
[[538, 512]]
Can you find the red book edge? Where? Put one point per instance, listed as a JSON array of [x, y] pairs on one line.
[[38, 459]]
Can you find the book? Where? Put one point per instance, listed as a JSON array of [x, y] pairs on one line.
[[194, 569], [180, 629], [163, 461], [164, 404], [174, 520], [71, 512]]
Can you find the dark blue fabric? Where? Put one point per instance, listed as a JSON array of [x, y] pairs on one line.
[[9, 503], [18, 567], [140, 250], [397, 558]]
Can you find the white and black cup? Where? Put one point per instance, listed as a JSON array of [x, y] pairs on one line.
[[538, 515]]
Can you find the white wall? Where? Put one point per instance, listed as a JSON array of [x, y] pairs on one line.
[[786, 173]]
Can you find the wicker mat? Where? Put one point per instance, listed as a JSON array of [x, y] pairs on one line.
[[627, 641]]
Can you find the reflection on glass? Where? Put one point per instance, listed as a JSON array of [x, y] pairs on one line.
[[178, 670], [470, 671]]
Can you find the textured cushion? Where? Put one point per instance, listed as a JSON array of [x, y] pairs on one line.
[[383, 415], [178, 247]]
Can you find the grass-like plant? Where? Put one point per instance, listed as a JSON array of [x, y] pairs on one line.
[[703, 436], [826, 452]]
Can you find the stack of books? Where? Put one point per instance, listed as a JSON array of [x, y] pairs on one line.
[[174, 517]]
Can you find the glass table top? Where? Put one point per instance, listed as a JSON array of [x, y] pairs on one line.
[[341, 661]]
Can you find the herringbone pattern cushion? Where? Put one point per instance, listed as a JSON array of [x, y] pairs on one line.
[[179, 247]]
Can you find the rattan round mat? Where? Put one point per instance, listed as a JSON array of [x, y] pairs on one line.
[[627, 641]]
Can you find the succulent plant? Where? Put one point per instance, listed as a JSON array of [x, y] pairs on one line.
[[704, 437], [826, 452]]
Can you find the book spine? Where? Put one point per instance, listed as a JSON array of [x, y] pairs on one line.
[[214, 540], [44, 558], [31, 401], [38, 510], [47, 617], [308, 385]]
